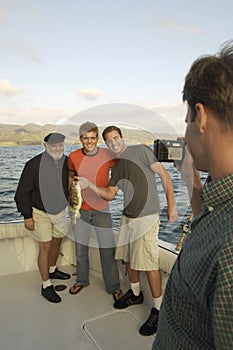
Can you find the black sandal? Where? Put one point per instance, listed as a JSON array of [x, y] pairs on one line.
[[75, 289], [117, 294]]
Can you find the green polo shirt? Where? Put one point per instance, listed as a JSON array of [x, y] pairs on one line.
[[197, 308], [133, 175]]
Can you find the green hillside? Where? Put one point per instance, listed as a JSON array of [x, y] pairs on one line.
[[33, 134]]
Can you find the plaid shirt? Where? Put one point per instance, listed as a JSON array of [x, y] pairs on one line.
[[197, 308]]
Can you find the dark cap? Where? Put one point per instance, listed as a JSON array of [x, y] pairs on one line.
[[54, 137]]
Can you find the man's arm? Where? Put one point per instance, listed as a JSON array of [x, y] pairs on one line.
[[107, 193], [159, 169], [23, 197]]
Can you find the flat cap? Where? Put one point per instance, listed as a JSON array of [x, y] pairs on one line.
[[54, 137]]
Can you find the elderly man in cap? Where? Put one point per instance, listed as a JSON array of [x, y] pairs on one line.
[[41, 198]]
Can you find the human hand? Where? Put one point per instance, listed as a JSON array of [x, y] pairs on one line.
[[191, 176], [29, 224], [83, 182]]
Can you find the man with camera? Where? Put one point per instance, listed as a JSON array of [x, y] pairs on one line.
[[196, 312], [137, 246]]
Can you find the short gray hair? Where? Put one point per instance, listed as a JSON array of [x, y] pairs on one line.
[[88, 126]]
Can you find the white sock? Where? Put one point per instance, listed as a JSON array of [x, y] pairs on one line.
[[136, 288], [52, 269], [157, 302], [46, 283]]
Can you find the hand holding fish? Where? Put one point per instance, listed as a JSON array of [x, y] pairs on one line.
[[83, 182], [106, 193]]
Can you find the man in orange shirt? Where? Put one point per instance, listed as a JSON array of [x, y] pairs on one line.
[[93, 163]]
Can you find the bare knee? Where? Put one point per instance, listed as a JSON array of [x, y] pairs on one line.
[[44, 247], [56, 241]]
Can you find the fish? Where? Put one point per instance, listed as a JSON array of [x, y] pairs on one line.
[[75, 202]]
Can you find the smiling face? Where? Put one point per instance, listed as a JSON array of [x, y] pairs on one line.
[[115, 142], [56, 150], [89, 141]]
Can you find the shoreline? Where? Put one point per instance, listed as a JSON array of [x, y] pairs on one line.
[[12, 144]]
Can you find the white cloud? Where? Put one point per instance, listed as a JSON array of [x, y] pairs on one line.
[[6, 89], [90, 94], [172, 25], [25, 114], [24, 48]]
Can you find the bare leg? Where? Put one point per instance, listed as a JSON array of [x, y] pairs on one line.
[[155, 282], [43, 259], [133, 274], [43, 263], [54, 251]]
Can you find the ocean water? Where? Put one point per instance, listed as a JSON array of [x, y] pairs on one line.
[[12, 161]]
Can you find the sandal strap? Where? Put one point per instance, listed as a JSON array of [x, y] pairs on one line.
[[76, 288]]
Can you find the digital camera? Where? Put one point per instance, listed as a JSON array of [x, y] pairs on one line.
[[169, 150]]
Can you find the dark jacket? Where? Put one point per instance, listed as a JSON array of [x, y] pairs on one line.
[[44, 185]]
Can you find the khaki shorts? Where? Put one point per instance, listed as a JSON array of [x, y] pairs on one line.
[[48, 226], [138, 242]]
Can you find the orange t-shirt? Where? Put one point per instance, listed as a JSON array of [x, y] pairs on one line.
[[96, 169]]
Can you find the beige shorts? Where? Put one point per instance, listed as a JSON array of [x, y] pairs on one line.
[[48, 226], [138, 242]]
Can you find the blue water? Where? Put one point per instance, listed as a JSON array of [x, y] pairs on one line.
[[12, 161]]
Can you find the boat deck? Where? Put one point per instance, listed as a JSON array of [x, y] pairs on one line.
[[83, 321]]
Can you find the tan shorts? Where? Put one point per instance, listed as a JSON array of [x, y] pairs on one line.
[[138, 242], [48, 226]]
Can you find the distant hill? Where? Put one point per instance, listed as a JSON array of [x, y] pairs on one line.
[[33, 134]]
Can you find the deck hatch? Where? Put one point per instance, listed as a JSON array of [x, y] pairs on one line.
[[116, 330]]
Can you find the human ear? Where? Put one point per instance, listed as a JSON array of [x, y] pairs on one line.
[[201, 117]]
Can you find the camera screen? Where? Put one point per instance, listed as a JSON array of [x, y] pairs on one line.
[[169, 150], [174, 153]]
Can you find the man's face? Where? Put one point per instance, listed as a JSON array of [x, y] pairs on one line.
[[115, 142], [89, 141], [56, 150]]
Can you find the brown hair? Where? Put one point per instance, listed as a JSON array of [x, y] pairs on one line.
[[109, 129], [210, 82]]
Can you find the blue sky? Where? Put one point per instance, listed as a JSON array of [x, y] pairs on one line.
[[62, 57]]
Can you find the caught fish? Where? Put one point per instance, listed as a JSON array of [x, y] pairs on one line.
[[75, 201]]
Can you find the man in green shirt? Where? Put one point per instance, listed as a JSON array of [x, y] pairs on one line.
[[197, 308]]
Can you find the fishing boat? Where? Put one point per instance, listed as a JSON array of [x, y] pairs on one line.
[[86, 321]]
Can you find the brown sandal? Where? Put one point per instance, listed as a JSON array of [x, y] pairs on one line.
[[75, 289]]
